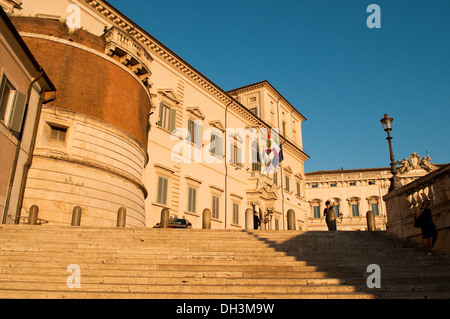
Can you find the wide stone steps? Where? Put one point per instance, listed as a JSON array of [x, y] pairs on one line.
[[191, 264]]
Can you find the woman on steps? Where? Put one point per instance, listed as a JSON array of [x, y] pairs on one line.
[[429, 231]]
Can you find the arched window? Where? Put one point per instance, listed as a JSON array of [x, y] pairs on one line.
[[315, 208], [374, 204], [353, 203], [337, 206]]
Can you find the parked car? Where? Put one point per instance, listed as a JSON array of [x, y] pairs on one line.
[[177, 223]]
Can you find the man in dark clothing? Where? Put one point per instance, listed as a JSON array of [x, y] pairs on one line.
[[256, 220], [330, 216]]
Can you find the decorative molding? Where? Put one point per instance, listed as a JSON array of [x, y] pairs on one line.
[[218, 125], [196, 112], [170, 94]]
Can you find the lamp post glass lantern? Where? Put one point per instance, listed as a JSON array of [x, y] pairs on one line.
[[386, 121]]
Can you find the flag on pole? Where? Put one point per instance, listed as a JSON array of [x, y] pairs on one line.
[[278, 156], [281, 156], [268, 143]]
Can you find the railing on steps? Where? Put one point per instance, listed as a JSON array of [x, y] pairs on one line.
[[402, 205]]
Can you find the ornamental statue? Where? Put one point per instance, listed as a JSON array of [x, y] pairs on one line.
[[416, 162]]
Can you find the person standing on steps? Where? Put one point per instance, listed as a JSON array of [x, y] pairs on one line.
[[256, 220], [330, 216], [429, 231]]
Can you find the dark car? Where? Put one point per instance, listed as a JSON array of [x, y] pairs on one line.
[[177, 223]]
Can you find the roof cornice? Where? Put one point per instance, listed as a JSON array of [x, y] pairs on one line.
[[270, 87]]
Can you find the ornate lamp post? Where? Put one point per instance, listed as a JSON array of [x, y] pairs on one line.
[[386, 121]]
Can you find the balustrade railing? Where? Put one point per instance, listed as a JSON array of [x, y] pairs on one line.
[[402, 205]]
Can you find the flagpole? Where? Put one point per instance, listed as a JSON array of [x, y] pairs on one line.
[[281, 168]]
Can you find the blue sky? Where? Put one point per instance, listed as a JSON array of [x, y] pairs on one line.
[[341, 75]]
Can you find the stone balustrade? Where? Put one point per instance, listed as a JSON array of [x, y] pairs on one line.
[[402, 205], [129, 52]]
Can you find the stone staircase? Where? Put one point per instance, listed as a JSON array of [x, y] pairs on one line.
[[212, 264]]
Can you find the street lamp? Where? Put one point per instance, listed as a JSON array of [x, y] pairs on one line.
[[386, 121]]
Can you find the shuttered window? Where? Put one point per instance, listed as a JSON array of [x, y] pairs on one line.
[[12, 106], [195, 132], [167, 117], [192, 199], [215, 207], [216, 145], [235, 213], [161, 196], [355, 210]]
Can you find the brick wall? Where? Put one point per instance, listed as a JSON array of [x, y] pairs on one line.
[[88, 83]]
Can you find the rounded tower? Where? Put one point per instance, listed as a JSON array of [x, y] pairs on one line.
[[91, 145]]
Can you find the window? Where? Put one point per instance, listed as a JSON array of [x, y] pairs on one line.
[[333, 185], [215, 207], [354, 206], [283, 126], [161, 196], [316, 210], [352, 183], [216, 145], [315, 186], [167, 117], [275, 178], [58, 133], [12, 106], [337, 208], [235, 153], [375, 210], [235, 213], [256, 160], [254, 110], [8, 94], [371, 182], [192, 199], [298, 189], [355, 210], [374, 205], [287, 186], [195, 132]]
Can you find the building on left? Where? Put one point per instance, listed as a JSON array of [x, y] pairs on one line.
[[24, 86]]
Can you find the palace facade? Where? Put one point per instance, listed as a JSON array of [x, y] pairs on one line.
[[133, 125], [357, 191]]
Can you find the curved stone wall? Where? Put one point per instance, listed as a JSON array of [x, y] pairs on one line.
[[101, 106], [98, 167]]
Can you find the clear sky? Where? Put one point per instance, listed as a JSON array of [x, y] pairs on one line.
[[322, 57]]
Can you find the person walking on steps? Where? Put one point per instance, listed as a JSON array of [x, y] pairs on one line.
[[256, 220], [429, 231], [330, 216]]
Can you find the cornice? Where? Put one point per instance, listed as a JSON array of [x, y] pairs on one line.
[[266, 84]]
